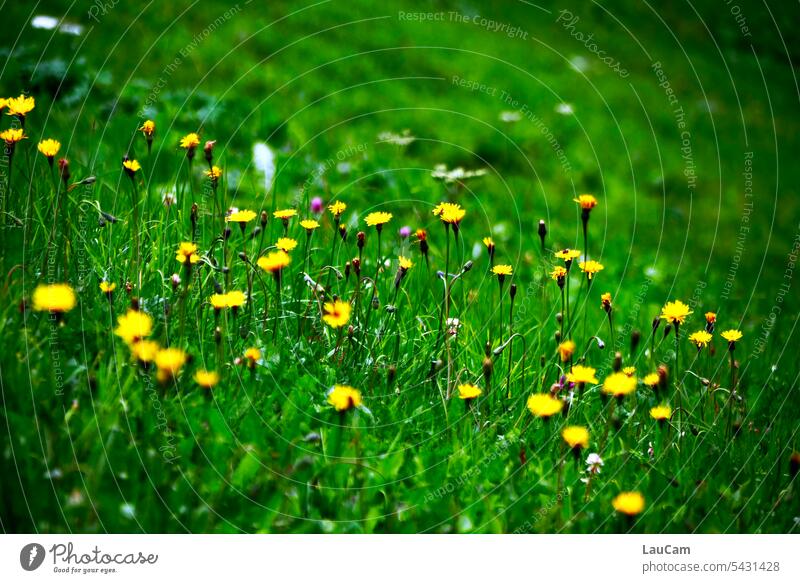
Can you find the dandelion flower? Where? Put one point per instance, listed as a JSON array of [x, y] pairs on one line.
[[337, 208], [235, 299], [586, 201], [107, 288], [12, 135], [187, 254], [274, 262], [20, 106], [343, 397], [558, 275], [170, 361], [675, 312], [309, 225], [576, 437], [566, 349], [337, 313], [629, 371], [219, 301], [619, 384], [605, 302], [502, 270], [286, 244], [581, 375], [133, 326], [145, 351], [449, 213], [190, 141], [489, 242], [252, 356], [207, 379], [404, 263], [49, 148], [468, 392], [241, 217], [544, 405], [285, 214], [56, 298], [630, 503], [590, 267], [651, 380], [378, 219], [661, 412], [131, 167], [701, 338], [732, 336], [148, 128], [567, 255], [214, 173]]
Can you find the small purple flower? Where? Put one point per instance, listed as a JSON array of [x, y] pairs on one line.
[[405, 232], [317, 205]]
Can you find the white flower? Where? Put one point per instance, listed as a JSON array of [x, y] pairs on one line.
[[441, 172], [169, 197], [594, 463]]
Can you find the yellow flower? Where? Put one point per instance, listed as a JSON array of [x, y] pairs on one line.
[[286, 244], [701, 338], [190, 141], [558, 273], [489, 242], [629, 370], [661, 412], [468, 392], [252, 355], [711, 317], [590, 267], [567, 254], [502, 270], [732, 335], [405, 263], [581, 375], [57, 298], [170, 361], [3, 103], [148, 128], [544, 405], [449, 213], [131, 166], [241, 217], [630, 503], [214, 172], [337, 313], [219, 301], [566, 349], [49, 147], [343, 397], [235, 299], [576, 436], [145, 351], [20, 105], [675, 312], [285, 214], [378, 219], [587, 201], [133, 326], [274, 262], [337, 208], [605, 301], [187, 254], [206, 378], [309, 224], [651, 380], [619, 384], [11, 136], [106, 287]]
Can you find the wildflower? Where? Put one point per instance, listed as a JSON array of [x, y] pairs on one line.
[[107, 288], [169, 362], [581, 375], [403, 265], [594, 463], [343, 397], [63, 169], [489, 242], [145, 351], [49, 148], [133, 326], [252, 356], [208, 151], [189, 142], [241, 217], [590, 267], [317, 205], [285, 214], [577, 437], [404, 232], [11, 136], [206, 379], [544, 405], [286, 244], [468, 392], [651, 380], [661, 412], [235, 299], [629, 371], [605, 302], [586, 201], [336, 209], [214, 173], [711, 319], [148, 129], [450, 213], [309, 225], [542, 232], [187, 254], [169, 198], [501, 271], [567, 255], [566, 349], [57, 298], [274, 262], [422, 238], [630, 503], [701, 338], [559, 274], [619, 384], [131, 167], [378, 219], [20, 106], [675, 312], [337, 313], [732, 336], [219, 301]]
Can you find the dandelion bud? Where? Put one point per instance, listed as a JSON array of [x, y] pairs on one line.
[[794, 464], [264, 217], [391, 374], [617, 366], [488, 366], [226, 234], [667, 330], [663, 377], [193, 216], [557, 336], [376, 303], [350, 331], [357, 266], [347, 271], [208, 151], [635, 337], [63, 170], [467, 266], [656, 324], [360, 236], [217, 335], [542, 361], [135, 304], [512, 291], [559, 317], [542, 232], [256, 232], [343, 233]]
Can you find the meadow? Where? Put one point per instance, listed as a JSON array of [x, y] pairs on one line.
[[440, 268]]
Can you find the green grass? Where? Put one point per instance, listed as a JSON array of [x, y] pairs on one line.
[[93, 443]]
